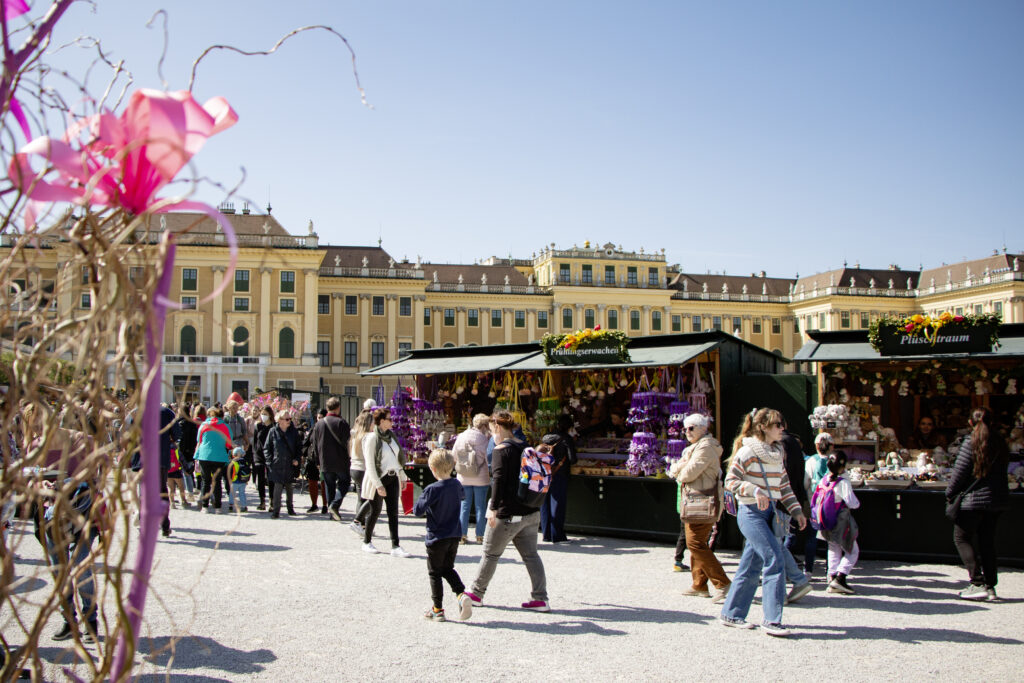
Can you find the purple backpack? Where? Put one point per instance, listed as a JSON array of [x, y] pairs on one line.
[[825, 506]]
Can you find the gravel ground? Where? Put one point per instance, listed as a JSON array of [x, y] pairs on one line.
[[238, 598]]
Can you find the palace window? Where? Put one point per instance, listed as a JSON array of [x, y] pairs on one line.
[[287, 281]]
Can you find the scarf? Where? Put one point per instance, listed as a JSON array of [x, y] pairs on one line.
[[383, 436], [765, 453]]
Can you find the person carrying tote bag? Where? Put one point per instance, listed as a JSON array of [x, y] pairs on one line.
[[699, 474]]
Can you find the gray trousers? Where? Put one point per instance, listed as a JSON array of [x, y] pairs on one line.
[[523, 534]]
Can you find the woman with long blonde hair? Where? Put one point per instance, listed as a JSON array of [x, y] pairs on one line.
[[757, 477]]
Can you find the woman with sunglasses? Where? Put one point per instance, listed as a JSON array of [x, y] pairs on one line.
[[699, 470], [757, 477], [383, 480], [281, 450]]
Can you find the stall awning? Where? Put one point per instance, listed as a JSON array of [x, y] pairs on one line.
[[651, 351], [443, 361], [847, 347], [639, 357]]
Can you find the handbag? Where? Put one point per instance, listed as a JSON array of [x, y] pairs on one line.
[[699, 507], [953, 505]]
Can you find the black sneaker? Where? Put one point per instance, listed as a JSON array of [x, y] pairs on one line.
[[313, 509], [64, 633], [91, 633]]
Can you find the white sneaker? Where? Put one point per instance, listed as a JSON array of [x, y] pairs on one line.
[[465, 607], [369, 548], [397, 551]]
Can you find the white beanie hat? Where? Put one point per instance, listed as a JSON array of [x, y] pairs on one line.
[[824, 436], [369, 404], [696, 420]]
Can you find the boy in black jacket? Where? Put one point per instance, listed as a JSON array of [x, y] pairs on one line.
[[440, 504]]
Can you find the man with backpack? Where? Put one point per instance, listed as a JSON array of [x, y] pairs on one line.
[[329, 441], [563, 452]]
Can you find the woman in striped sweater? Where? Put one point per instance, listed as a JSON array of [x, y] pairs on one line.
[[757, 477]]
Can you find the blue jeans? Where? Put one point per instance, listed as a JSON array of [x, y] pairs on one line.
[[75, 555], [552, 510], [762, 554], [476, 496], [237, 493]]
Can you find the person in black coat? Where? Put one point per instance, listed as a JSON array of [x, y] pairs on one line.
[[259, 466], [552, 511], [188, 436], [980, 474], [797, 539], [170, 434], [330, 444], [281, 452]]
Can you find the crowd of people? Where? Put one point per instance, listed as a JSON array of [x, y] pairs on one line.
[[784, 502]]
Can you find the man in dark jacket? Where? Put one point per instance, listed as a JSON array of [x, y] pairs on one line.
[[330, 443], [552, 512], [796, 539]]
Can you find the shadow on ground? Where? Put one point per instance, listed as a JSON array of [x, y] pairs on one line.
[[197, 651], [587, 620], [912, 636]]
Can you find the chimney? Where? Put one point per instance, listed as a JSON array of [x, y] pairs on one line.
[[245, 209], [227, 208], [761, 274]]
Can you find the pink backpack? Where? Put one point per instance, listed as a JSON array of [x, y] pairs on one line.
[[825, 506]]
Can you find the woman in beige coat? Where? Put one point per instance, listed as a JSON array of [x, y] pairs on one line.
[[699, 470]]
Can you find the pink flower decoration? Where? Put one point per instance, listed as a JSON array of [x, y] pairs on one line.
[[124, 160], [910, 327], [14, 8], [958, 318]]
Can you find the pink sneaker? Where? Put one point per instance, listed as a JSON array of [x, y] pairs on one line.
[[475, 600], [536, 606]]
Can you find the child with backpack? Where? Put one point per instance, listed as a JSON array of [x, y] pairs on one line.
[[831, 504], [440, 503], [815, 467], [239, 474]]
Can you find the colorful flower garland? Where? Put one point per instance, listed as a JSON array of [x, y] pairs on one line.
[[921, 325]]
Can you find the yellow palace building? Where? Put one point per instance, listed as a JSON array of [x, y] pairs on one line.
[[307, 316]]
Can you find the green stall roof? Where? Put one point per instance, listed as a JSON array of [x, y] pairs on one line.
[[847, 347]]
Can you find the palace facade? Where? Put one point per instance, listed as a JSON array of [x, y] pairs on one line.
[[310, 317]]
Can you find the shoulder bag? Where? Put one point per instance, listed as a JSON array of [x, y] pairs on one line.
[[699, 507], [953, 505]]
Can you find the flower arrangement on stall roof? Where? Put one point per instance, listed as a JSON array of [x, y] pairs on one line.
[[644, 457], [928, 326]]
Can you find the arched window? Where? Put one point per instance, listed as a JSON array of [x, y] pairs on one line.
[[448, 345], [241, 341], [187, 347], [286, 343]]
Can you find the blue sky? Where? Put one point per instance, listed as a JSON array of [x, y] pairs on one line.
[[739, 136]]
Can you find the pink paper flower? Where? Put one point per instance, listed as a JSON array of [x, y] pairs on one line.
[[14, 8], [123, 161], [910, 327]]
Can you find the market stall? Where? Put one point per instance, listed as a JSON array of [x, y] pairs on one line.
[[627, 405], [899, 406]]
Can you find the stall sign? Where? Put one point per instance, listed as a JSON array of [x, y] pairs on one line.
[[596, 352], [951, 338]]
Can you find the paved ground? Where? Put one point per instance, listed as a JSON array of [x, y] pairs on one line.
[[250, 598]]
